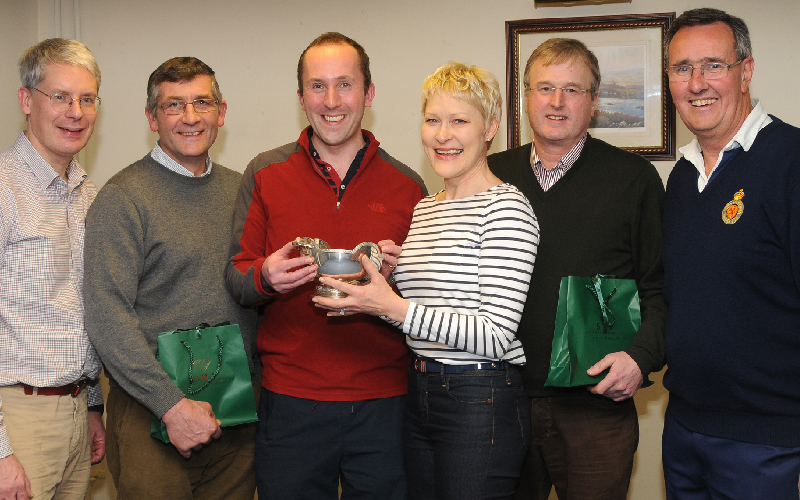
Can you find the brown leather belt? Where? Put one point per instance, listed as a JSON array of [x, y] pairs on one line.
[[65, 390]]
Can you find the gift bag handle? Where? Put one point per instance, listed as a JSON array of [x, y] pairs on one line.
[[608, 315], [191, 365]]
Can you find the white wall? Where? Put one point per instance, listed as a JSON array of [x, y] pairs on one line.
[[253, 45]]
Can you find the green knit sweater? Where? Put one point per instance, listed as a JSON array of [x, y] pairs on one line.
[[156, 248]]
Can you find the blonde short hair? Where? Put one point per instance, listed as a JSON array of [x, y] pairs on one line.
[[469, 83]]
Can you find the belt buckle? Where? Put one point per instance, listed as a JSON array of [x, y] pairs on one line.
[[79, 385], [420, 365]]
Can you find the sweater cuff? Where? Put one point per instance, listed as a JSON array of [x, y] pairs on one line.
[[641, 358], [165, 402], [262, 287]]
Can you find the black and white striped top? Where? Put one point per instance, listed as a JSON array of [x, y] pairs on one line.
[[465, 267]]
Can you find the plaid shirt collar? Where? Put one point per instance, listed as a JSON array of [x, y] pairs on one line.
[[44, 173]]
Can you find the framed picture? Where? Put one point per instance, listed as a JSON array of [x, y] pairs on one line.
[[634, 107]]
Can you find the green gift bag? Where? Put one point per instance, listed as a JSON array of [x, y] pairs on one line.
[[209, 363], [595, 316]]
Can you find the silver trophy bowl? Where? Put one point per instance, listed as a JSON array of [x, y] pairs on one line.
[[343, 265]]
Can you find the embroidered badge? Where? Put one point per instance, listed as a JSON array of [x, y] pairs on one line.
[[733, 209]]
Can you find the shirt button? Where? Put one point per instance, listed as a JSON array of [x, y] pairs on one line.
[[329, 169], [342, 186]]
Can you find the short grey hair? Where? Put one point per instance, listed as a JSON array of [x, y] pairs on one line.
[[706, 16], [55, 51]]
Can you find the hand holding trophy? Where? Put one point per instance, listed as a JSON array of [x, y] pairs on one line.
[[343, 265]]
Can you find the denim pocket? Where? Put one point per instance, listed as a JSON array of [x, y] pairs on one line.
[[469, 389]]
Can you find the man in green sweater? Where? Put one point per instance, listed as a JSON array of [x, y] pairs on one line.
[[157, 241], [599, 211]]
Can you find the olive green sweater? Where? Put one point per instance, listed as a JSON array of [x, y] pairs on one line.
[[156, 248]]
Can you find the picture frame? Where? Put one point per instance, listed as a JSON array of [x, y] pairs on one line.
[[634, 110]]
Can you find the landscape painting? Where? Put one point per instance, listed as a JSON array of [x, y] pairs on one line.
[[621, 100]]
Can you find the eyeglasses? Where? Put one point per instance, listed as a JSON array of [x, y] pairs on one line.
[[62, 103], [568, 92], [710, 71], [179, 107]]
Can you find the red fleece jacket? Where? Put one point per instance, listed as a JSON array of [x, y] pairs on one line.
[[283, 196]]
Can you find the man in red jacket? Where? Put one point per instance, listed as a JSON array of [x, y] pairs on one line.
[[334, 388]]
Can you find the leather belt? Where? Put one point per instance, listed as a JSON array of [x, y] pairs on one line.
[[65, 390], [425, 366]]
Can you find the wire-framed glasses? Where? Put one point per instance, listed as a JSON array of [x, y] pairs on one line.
[[710, 71], [61, 103], [204, 105], [570, 91]]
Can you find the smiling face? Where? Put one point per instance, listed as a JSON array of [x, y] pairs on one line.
[[454, 136], [559, 121], [187, 138], [713, 110], [59, 136], [334, 96]]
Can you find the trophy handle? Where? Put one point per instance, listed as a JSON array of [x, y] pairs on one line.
[[372, 251], [309, 246]]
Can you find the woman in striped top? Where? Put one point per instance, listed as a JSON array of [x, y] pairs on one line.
[[463, 278]]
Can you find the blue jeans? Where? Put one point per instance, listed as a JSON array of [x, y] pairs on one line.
[[465, 435], [701, 467], [304, 447]]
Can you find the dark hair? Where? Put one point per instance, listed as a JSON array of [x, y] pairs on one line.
[[178, 69], [334, 38], [706, 16]]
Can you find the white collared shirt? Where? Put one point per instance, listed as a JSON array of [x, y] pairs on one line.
[[164, 159], [744, 138]]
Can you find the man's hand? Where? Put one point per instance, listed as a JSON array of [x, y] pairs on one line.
[[97, 436], [14, 484], [284, 274], [190, 425], [624, 376]]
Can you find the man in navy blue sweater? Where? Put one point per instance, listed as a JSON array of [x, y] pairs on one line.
[[731, 256]]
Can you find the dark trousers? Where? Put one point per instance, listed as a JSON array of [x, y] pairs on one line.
[[304, 447], [465, 435], [143, 467], [582, 444], [701, 467]]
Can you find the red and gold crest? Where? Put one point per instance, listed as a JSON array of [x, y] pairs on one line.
[[733, 209]]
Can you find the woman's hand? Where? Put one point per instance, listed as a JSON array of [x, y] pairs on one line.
[[390, 254], [376, 298]]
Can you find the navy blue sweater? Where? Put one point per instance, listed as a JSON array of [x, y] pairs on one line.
[[733, 290]]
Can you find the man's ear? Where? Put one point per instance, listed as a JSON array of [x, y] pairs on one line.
[[151, 119], [24, 95]]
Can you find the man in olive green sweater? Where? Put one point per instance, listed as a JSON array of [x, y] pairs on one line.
[[157, 241]]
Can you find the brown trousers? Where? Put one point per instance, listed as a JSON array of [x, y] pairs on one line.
[[583, 444], [144, 467]]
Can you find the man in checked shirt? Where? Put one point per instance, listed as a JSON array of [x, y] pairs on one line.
[[50, 429]]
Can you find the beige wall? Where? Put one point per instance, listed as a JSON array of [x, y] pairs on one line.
[[253, 45]]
